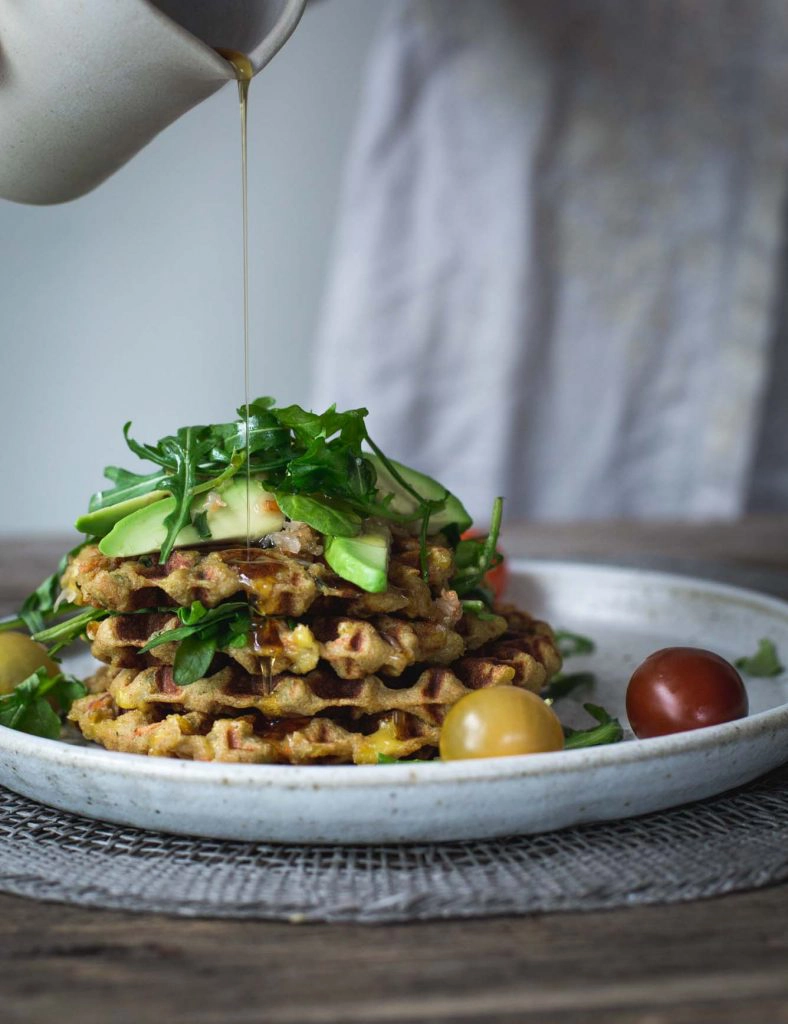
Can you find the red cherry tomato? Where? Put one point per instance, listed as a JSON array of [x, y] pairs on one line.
[[496, 578], [683, 688]]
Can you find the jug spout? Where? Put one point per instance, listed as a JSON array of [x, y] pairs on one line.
[[256, 28], [84, 85]]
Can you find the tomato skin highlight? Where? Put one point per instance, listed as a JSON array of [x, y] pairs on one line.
[[679, 689], [500, 721]]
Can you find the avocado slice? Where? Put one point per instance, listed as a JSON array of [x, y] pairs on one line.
[[100, 522], [144, 531], [363, 560], [452, 514]]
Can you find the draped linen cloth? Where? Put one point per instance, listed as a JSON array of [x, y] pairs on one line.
[[559, 257]]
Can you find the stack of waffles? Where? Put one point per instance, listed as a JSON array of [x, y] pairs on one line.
[[331, 673]]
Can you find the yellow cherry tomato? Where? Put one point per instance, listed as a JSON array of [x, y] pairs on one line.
[[499, 721], [20, 657]]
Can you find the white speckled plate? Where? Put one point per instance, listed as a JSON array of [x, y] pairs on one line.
[[628, 612]]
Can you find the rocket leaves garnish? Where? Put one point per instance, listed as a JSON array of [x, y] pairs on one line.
[[607, 731], [561, 686], [127, 486], [42, 604], [314, 463], [27, 707], [474, 557], [194, 656], [572, 644], [203, 633], [478, 608], [181, 483], [764, 663], [321, 516], [64, 633], [217, 628]]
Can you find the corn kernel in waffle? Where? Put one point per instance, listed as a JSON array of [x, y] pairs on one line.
[[281, 590]]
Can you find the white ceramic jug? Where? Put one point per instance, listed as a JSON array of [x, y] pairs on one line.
[[85, 84]]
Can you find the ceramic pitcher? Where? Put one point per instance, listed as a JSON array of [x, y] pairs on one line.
[[85, 84]]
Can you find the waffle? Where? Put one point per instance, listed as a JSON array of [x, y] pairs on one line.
[[335, 674], [251, 738], [280, 583], [524, 660], [353, 648]]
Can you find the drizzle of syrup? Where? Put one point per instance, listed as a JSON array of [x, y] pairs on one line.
[[243, 72], [247, 567]]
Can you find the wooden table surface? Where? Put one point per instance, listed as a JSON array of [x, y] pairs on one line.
[[707, 962]]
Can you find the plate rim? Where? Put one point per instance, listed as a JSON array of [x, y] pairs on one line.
[[313, 777]]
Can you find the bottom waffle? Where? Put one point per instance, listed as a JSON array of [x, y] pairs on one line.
[[253, 739]]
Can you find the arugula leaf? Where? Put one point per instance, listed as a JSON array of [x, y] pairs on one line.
[[194, 656], [387, 759], [315, 462], [608, 731], [361, 478], [197, 618], [127, 485], [40, 605], [562, 685], [475, 557], [64, 633], [144, 451], [181, 483], [29, 715], [200, 524], [65, 690], [26, 708], [478, 608], [765, 662], [203, 633], [235, 463], [194, 613], [572, 644], [319, 515]]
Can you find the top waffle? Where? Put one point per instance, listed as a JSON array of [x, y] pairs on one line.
[[280, 583]]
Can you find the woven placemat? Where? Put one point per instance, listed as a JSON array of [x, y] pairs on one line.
[[736, 841]]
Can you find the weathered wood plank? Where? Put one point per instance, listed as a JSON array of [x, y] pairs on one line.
[[718, 960]]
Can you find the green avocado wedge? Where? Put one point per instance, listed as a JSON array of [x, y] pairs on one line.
[[100, 522], [144, 530], [363, 560], [452, 514]]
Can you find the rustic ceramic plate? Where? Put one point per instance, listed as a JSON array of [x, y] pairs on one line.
[[629, 613]]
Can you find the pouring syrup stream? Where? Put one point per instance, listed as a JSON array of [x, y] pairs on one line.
[[244, 72]]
